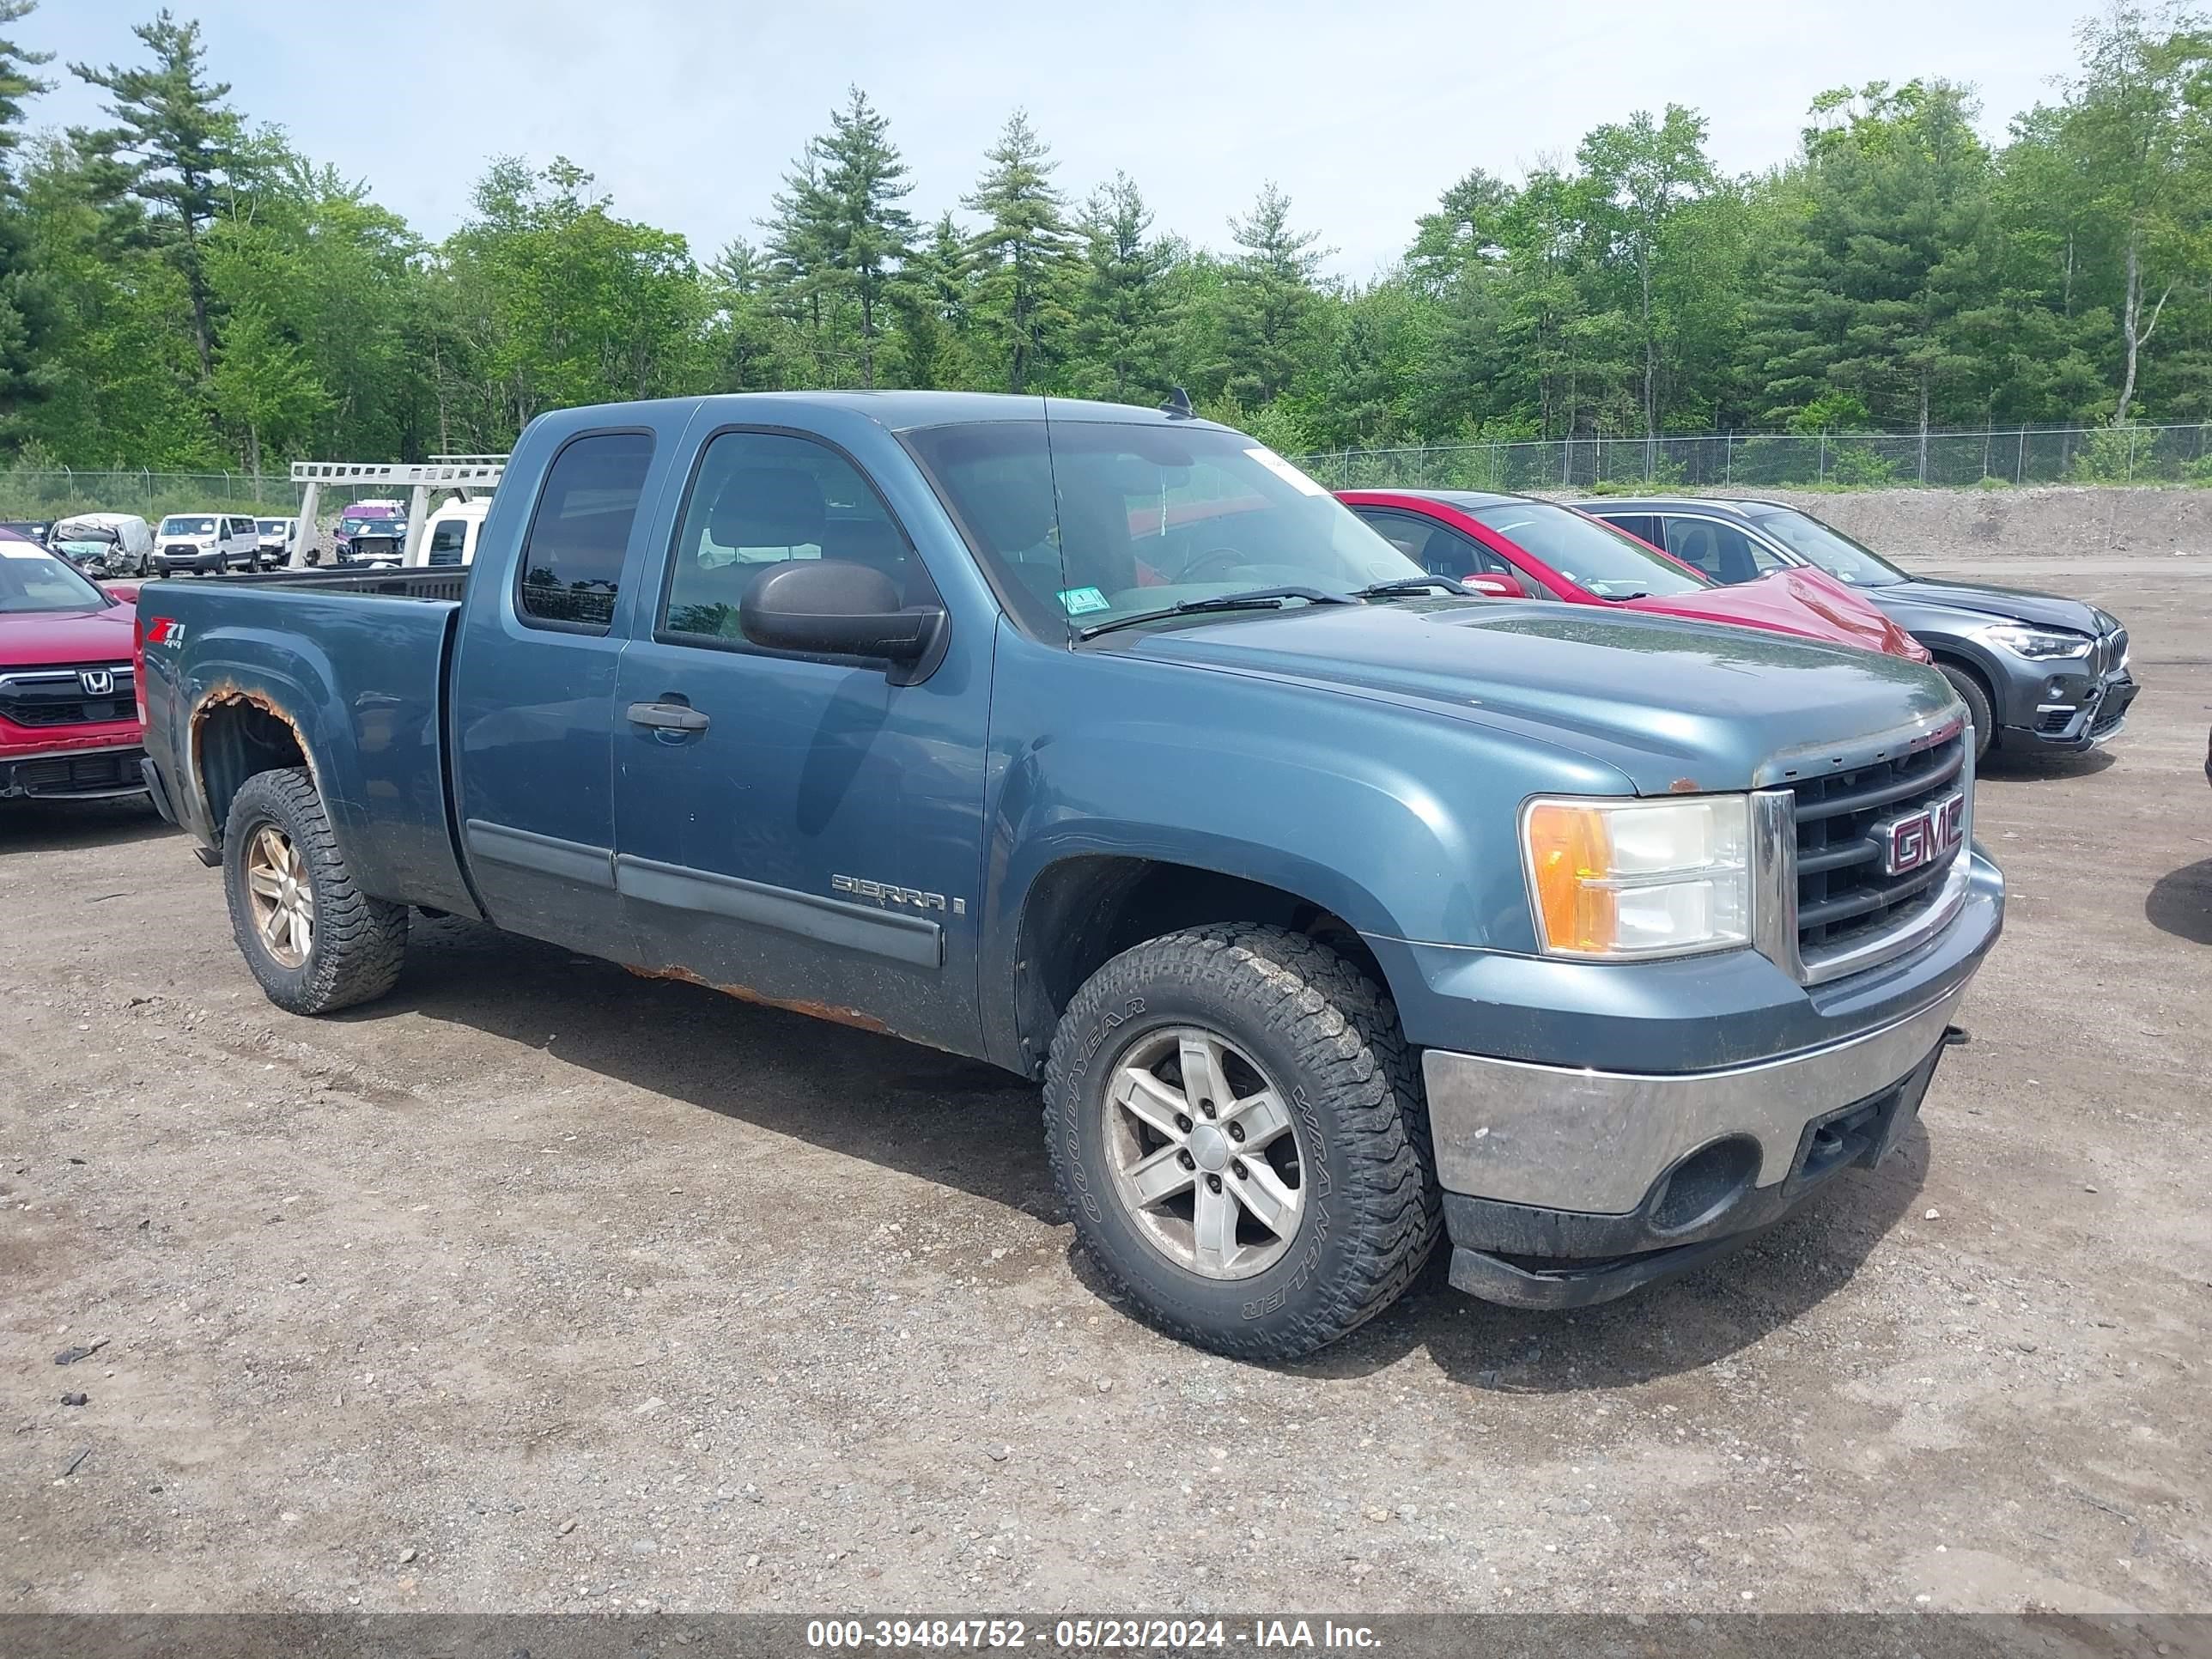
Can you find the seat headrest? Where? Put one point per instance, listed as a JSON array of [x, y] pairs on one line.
[[768, 507]]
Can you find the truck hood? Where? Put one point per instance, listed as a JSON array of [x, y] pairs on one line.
[[1675, 706], [1808, 603], [2001, 603], [41, 639]]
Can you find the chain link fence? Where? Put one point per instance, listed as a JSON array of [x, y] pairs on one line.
[[1722, 461], [57, 494]]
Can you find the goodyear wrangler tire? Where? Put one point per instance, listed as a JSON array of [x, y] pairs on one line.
[[314, 941], [1238, 1132]]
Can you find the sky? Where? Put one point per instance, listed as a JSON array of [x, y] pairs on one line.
[[689, 112]]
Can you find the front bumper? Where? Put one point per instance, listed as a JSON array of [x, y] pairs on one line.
[[73, 774], [1567, 1183], [168, 564], [2067, 712]]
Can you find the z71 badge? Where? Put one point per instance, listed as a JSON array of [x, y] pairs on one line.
[[884, 892]]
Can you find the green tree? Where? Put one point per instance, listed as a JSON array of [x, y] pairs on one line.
[[866, 233], [1024, 254], [262, 384], [1895, 249], [934, 301], [1124, 321], [808, 289], [174, 150], [25, 304], [1270, 300], [2135, 117], [1643, 175]]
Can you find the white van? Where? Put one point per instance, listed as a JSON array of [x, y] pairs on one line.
[[449, 534], [209, 543]]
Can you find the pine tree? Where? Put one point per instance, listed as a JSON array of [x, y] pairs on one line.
[[1122, 317], [1269, 299], [174, 150], [802, 237], [26, 306], [1024, 252], [867, 233], [933, 299]]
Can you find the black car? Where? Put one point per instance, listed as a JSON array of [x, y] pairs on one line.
[[2035, 671]]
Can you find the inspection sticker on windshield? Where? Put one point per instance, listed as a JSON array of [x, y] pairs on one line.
[[1283, 470], [1080, 601]]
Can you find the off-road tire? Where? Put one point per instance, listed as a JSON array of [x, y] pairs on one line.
[[1328, 1037], [1968, 685], [359, 942]]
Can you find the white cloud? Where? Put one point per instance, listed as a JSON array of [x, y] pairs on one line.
[[688, 111]]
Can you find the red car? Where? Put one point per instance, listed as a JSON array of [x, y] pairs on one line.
[[69, 716], [1518, 547]]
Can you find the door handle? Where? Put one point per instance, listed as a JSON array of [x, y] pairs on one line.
[[667, 717]]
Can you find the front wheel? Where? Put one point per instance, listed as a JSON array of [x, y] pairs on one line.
[[1979, 715], [313, 939], [1238, 1132]]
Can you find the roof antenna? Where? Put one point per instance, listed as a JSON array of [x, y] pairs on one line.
[[1177, 407]]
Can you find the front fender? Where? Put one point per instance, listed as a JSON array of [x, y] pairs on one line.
[[1403, 825]]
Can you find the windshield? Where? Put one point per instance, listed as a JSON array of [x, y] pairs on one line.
[[188, 526], [367, 526], [1845, 560], [273, 527], [31, 578], [1084, 522], [1610, 564]]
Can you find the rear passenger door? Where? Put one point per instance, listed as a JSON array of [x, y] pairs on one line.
[[795, 828], [533, 694]]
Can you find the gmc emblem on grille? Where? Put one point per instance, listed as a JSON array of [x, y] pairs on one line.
[[1913, 841], [96, 681]]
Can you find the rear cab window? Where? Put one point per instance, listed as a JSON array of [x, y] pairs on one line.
[[569, 574]]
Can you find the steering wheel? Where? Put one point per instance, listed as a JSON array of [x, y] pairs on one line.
[[1228, 557]]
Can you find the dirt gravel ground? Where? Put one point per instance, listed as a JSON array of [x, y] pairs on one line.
[[540, 1287]]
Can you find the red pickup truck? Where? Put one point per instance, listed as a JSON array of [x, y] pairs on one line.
[[68, 720]]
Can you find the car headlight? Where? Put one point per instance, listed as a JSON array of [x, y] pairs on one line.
[[1621, 878], [2039, 644]]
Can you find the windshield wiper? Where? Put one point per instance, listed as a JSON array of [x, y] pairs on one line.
[[1259, 598], [1412, 585]]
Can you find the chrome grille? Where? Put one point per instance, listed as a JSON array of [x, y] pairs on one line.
[[1844, 892], [58, 696], [1833, 892]]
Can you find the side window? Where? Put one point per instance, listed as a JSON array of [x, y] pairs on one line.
[[1643, 526], [1437, 548], [1720, 551], [766, 498], [448, 537], [572, 558]]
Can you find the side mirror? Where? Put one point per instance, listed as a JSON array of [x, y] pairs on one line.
[[1494, 585], [834, 608]]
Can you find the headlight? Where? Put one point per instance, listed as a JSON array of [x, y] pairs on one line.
[[1639, 878], [2039, 644]]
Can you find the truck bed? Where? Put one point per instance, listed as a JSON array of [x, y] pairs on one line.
[[353, 664], [421, 582]]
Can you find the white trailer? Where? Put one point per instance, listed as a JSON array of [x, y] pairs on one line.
[[468, 474]]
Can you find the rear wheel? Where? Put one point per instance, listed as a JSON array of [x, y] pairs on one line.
[[1238, 1133], [314, 941], [1979, 715]]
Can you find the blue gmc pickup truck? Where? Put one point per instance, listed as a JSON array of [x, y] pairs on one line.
[[1336, 910]]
